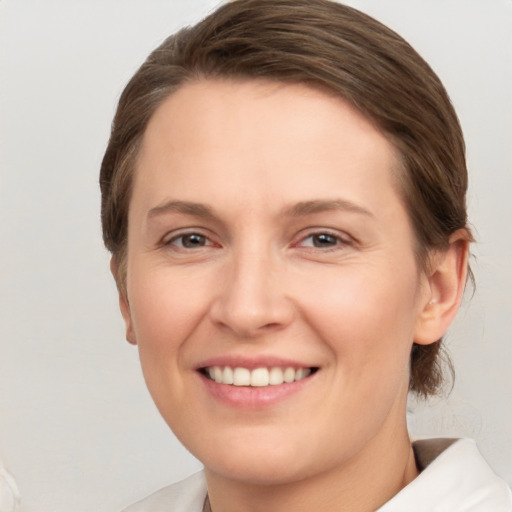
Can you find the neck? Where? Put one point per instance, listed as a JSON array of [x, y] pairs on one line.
[[363, 484]]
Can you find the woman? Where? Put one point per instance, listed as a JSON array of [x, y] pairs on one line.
[[283, 195]]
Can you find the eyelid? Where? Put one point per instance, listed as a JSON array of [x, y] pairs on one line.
[[343, 238], [169, 238]]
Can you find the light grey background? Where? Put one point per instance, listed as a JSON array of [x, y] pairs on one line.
[[77, 428]]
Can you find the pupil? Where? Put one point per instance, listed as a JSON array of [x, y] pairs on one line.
[[193, 241], [323, 240]]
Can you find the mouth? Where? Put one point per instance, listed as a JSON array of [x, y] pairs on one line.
[[257, 377]]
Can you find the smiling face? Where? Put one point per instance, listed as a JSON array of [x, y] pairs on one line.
[[267, 241]]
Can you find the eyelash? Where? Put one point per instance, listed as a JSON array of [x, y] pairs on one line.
[[334, 241], [339, 241], [189, 234]]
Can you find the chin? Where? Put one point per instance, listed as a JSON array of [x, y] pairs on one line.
[[263, 463], [259, 472]]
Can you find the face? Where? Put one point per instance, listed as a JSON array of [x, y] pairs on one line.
[[272, 287]]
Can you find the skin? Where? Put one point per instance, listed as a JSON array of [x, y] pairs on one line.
[[273, 167]]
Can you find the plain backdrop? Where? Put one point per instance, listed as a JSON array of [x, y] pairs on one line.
[[78, 430]]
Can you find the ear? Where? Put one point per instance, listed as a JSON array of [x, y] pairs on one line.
[[124, 305], [445, 283]]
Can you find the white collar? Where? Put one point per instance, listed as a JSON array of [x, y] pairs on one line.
[[455, 477]]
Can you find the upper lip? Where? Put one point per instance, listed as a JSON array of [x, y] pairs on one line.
[[252, 363]]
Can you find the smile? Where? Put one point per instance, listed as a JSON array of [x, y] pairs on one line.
[[258, 377]]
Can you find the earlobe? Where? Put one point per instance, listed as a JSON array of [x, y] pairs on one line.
[[124, 304], [445, 285]]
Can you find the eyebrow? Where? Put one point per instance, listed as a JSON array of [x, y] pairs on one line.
[[300, 209], [321, 205], [185, 207]]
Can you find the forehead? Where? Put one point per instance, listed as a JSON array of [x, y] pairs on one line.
[[287, 141], [198, 103]]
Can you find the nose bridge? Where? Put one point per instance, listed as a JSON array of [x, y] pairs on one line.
[[252, 298]]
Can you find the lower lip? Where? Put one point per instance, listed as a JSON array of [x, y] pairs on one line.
[[249, 397]]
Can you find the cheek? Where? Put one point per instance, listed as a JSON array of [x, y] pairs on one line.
[[368, 323], [366, 316], [165, 309]]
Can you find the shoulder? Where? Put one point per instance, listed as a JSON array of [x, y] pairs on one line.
[[185, 496], [455, 477]]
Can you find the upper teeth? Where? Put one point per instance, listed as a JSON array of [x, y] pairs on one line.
[[258, 377]]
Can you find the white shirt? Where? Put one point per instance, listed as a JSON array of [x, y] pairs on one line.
[[455, 478]]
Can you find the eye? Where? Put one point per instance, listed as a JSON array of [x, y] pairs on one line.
[[189, 241], [322, 241]]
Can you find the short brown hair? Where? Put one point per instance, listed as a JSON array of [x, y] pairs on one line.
[[325, 45]]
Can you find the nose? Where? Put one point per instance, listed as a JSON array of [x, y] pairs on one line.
[[252, 297]]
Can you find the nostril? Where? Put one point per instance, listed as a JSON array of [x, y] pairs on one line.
[[270, 325]]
